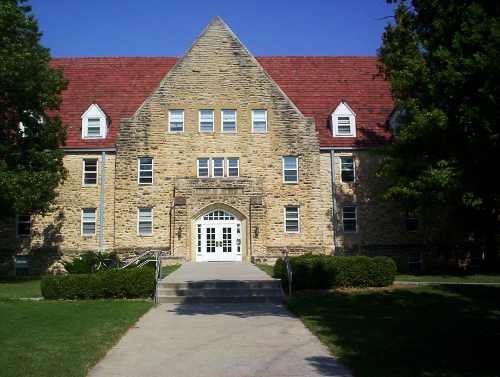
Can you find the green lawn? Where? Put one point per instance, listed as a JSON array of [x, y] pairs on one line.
[[445, 331], [61, 338], [268, 269], [20, 288], [165, 270], [451, 278]]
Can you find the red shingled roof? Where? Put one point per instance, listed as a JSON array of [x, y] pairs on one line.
[[315, 84]]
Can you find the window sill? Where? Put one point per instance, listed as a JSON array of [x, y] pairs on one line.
[[144, 184], [89, 186], [291, 183], [145, 235]]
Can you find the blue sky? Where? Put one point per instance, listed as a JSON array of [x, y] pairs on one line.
[[168, 27]]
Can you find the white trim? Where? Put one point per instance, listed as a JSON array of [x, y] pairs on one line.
[[183, 123], [139, 171], [198, 167], [81, 222], [355, 218], [343, 110], [253, 114], [235, 121], [152, 222], [237, 166], [24, 222], [223, 167], [353, 169], [298, 219], [94, 112], [83, 172], [199, 121], [283, 169]]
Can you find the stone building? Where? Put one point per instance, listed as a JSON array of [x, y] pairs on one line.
[[219, 156]]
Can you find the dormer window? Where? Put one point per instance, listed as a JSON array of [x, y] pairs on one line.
[[94, 123], [344, 121]]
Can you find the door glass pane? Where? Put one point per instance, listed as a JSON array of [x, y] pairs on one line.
[[227, 238], [210, 232]]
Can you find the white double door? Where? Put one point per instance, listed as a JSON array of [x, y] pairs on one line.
[[219, 242]]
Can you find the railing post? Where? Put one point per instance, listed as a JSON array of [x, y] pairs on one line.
[[289, 271]]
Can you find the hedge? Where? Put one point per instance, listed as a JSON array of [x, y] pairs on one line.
[[324, 272], [116, 283]]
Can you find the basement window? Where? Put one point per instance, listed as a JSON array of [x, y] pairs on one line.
[[145, 221], [88, 221]]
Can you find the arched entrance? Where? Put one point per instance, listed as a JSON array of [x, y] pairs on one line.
[[219, 237]]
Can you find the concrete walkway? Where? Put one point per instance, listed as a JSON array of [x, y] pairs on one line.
[[218, 340]]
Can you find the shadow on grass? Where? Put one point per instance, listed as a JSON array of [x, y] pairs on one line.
[[429, 331]]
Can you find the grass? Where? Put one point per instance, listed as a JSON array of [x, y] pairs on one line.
[[61, 338], [166, 270], [445, 331], [20, 288], [268, 269], [478, 278]]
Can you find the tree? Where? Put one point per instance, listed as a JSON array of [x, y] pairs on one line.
[[31, 165], [443, 62]]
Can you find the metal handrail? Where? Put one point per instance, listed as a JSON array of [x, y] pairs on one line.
[[289, 271], [156, 260]]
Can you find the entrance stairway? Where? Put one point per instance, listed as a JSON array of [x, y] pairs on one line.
[[219, 282]]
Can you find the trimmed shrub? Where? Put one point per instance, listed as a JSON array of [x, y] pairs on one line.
[[90, 262], [323, 272], [127, 283]]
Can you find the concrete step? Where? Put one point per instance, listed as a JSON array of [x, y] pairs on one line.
[[220, 292], [233, 284], [217, 300]]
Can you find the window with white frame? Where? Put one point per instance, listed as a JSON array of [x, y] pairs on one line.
[[259, 121], [217, 167], [290, 169], [347, 169], [350, 219], [23, 225], [228, 118], [344, 121], [202, 168], [206, 120], [176, 120], [145, 220], [90, 171], [145, 171], [233, 167], [94, 123], [292, 219], [88, 221]]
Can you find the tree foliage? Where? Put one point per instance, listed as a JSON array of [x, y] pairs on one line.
[[31, 164], [443, 62]]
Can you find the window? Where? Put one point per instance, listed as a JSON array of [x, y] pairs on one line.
[[145, 221], [290, 169], [233, 167], [206, 121], [94, 123], [411, 221], [347, 169], [176, 120], [349, 219], [145, 169], [90, 172], [202, 167], [259, 121], [228, 120], [23, 225], [88, 221], [344, 121], [218, 167], [291, 219]]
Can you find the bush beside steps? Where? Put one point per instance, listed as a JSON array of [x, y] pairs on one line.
[[325, 272], [115, 283]]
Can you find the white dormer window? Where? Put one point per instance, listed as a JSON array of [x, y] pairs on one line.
[[344, 121], [94, 124]]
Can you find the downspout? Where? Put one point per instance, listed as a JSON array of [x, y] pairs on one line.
[[334, 200], [102, 245]]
